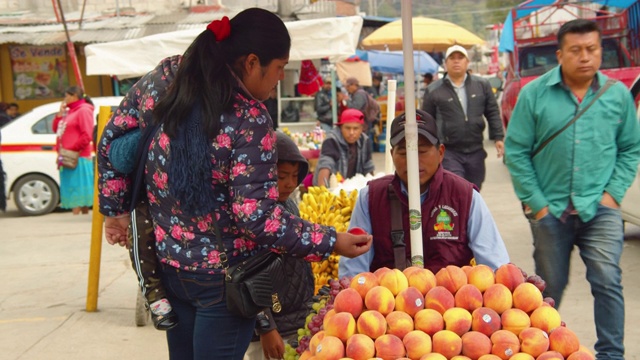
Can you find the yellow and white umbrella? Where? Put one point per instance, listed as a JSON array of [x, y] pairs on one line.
[[428, 34]]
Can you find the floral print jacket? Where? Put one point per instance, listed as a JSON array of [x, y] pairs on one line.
[[244, 181]]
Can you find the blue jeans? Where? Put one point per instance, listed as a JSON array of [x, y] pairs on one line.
[[600, 242], [469, 166], [206, 329]]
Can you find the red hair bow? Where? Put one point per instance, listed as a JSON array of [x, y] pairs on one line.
[[220, 28]]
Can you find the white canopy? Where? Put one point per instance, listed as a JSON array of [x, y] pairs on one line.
[[335, 38]]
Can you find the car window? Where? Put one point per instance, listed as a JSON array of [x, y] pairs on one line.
[[44, 125]]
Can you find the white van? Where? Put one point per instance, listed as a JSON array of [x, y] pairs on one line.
[[29, 157]]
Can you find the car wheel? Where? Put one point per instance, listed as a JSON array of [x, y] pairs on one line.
[[36, 195]]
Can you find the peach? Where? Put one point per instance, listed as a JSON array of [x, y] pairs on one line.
[[348, 300], [498, 297], [364, 282], [460, 357], [545, 318], [409, 270], [522, 356], [417, 344], [457, 320], [515, 320], [389, 347], [505, 344], [439, 299], [475, 344], [315, 340], [510, 276], [550, 355], [481, 276], [410, 300], [581, 355], [399, 324], [341, 325], [372, 323], [329, 348], [422, 279], [433, 356], [527, 297], [394, 280], [428, 320], [485, 320], [360, 347], [329, 314], [468, 297], [489, 357], [533, 341], [381, 299], [563, 341], [447, 343], [451, 277], [305, 355], [378, 273]]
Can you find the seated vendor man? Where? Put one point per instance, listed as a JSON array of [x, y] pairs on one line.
[[456, 223]]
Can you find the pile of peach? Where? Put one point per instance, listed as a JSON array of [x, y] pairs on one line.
[[458, 313]]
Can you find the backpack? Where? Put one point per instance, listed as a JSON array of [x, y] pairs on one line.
[[372, 109]]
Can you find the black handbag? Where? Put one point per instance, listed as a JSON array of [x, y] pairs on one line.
[[252, 285]]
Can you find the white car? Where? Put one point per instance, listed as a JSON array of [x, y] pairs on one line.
[[29, 157]]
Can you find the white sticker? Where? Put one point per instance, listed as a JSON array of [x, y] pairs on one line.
[[507, 352], [361, 280], [418, 302], [486, 318]]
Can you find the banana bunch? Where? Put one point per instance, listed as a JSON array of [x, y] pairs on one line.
[[325, 270], [321, 206]]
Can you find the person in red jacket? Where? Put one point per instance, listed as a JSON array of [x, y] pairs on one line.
[[74, 129]]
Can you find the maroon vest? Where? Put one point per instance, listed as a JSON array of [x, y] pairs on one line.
[[445, 213]]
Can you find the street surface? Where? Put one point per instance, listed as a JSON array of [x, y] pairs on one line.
[[45, 263]]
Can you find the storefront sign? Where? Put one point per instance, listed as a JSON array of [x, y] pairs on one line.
[[39, 72]]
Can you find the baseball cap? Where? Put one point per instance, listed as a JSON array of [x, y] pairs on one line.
[[456, 48], [426, 127], [351, 116]]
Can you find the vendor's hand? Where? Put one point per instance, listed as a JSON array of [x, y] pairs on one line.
[[350, 245], [500, 148], [609, 201], [63, 108], [272, 345], [115, 230]]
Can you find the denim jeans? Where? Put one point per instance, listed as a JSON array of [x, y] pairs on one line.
[[206, 329], [600, 243]]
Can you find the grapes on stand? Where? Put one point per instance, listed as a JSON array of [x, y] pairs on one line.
[[323, 303]]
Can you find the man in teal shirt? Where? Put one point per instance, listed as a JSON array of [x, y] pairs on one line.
[[571, 189]]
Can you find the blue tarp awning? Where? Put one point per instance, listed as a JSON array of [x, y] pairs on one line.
[[393, 61], [527, 7]]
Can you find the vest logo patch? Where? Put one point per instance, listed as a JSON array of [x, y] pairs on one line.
[[444, 224]]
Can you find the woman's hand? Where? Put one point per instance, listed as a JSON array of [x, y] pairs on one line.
[[350, 245], [63, 109], [115, 229], [272, 345]]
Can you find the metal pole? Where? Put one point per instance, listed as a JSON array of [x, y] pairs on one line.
[[411, 137], [71, 49]]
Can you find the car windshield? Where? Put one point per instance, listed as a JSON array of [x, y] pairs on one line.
[[537, 60]]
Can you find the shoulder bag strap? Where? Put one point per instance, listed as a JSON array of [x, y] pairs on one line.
[[604, 88], [397, 232]]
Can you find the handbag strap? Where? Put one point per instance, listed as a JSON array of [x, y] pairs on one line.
[[142, 151], [604, 88]]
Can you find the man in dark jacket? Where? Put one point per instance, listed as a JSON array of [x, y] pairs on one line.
[[322, 106], [277, 329], [459, 102]]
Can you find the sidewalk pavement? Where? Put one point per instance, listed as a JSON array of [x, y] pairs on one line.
[[45, 265]]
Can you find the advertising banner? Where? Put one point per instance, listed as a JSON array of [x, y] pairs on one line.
[[39, 72]]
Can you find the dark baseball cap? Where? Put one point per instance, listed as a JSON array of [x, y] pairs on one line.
[[426, 127]]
